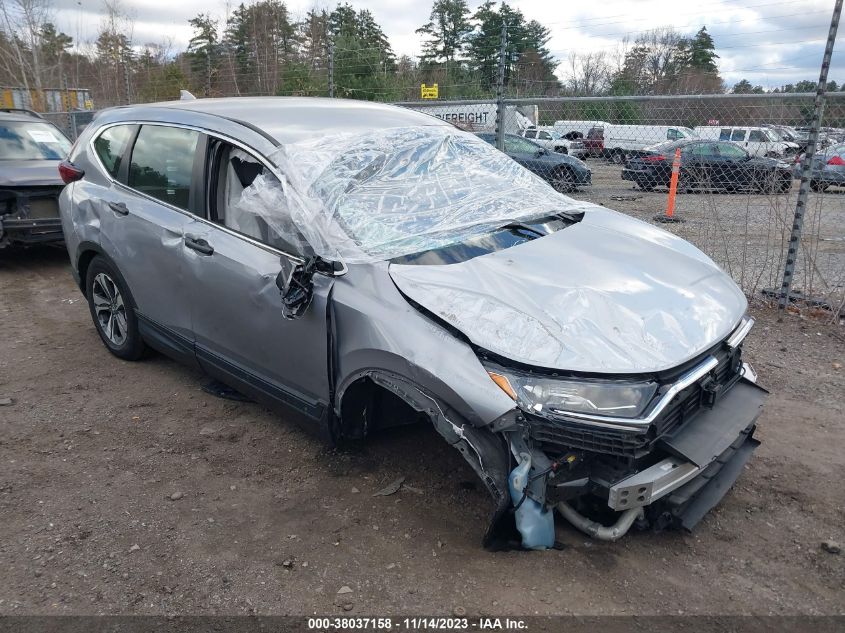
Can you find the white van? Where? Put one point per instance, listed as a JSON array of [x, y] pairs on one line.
[[621, 142], [757, 141]]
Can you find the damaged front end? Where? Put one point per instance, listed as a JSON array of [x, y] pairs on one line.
[[664, 466], [29, 215]]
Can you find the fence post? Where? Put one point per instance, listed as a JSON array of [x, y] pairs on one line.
[[500, 91], [331, 67], [807, 163]]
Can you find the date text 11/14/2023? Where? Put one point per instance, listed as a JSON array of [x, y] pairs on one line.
[[416, 624]]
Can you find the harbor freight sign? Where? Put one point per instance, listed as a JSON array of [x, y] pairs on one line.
[[428, 92]]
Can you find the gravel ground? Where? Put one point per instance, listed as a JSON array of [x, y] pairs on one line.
[[124, 488], [746, 234]]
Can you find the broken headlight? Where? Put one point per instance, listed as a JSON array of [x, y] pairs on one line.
[[558, 396]]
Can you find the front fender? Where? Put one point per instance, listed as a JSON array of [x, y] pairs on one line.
[[376, 329]]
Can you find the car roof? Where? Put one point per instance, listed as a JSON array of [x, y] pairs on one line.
[[19, 114], [288, 119]]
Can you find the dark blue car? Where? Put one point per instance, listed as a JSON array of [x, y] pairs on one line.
[[561, 171]]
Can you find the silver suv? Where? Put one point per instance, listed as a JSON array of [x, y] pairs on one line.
[[396, 269]]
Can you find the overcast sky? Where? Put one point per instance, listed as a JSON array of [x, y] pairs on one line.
[[768, 42]]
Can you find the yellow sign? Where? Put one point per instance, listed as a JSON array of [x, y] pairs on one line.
[[428, 92]]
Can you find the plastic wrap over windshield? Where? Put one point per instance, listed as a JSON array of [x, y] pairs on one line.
[[387, 193]]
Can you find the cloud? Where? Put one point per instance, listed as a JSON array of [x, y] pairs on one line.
[[769, 43]]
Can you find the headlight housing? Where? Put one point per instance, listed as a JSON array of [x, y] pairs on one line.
[[554, 396]]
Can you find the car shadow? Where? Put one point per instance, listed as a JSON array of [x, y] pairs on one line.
[[44, 256]]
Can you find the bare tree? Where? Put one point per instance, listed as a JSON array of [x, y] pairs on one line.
[[24, 22], [588, 73]]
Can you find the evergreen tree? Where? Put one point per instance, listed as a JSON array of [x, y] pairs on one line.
[[446, 30], [702, 52]]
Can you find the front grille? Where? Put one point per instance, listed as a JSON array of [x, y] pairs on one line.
[[560, 435]]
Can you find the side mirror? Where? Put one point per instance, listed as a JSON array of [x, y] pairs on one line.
[[296, 285]]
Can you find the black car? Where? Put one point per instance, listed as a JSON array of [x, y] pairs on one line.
[[31, 149], [561, 171], [708, 165]]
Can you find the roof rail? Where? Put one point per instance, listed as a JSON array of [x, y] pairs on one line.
[[21, 111]]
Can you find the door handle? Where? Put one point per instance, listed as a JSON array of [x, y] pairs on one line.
[[199, 245], [119, 208]]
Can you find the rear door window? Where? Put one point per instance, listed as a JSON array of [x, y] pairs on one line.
[[738, 135], [545, 136], [162, 163], [757, 136], [111, 146]]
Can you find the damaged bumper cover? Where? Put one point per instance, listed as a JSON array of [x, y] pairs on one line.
[[664, 469], [29, 215], [704, 459]]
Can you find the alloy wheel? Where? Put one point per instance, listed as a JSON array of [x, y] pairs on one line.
[[110, 309]]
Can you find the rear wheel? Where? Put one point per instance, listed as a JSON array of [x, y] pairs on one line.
[[113, 310], [617, 157], [818, 186], [645, 185]]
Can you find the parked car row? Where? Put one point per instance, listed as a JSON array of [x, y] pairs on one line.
[[618, 143]]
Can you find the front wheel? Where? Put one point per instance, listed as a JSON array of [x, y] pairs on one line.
[[112, 309], [617, 158], [563, 180]]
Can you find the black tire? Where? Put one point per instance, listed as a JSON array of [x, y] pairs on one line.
[[819, 187], [112, 309], [617, 158], [563, 180], [645, 186]]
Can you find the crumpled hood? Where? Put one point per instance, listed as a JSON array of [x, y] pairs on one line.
[[30, 173], [609, 294]]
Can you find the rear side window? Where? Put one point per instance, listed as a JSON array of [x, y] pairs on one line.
[[738, 135], [673, 135], [725, 135], [111, 145], [163, 163], [531, 134]]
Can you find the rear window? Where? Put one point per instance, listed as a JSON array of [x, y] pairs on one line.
[[111, 145], [162, 163], [25, 140]]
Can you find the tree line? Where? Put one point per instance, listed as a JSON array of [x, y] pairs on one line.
[[260, 48]]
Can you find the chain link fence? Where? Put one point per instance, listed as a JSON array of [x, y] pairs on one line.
[[728, 164]]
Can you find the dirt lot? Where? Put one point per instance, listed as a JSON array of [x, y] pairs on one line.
[[269, 521]]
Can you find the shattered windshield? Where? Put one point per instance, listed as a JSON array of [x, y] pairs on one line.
[[393, 192]]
